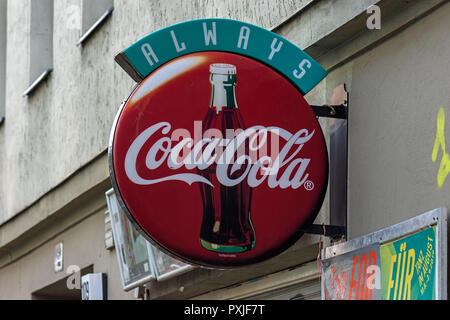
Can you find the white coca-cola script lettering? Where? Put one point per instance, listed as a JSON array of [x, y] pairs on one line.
[[283, 169]]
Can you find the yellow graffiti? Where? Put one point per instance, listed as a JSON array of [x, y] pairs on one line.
[[444, 168]]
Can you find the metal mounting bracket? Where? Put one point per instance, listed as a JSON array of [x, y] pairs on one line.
[[331, 231], [331, 111], [338, 108]]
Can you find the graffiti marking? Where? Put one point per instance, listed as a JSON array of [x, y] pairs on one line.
[[444, 167]]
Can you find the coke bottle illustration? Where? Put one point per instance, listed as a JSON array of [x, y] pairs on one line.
[[226, 224]]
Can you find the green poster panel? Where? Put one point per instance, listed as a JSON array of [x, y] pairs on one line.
[[408, 267]]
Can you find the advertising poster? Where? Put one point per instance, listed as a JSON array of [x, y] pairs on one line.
[[353, 276], [400, 262], [408, 267]]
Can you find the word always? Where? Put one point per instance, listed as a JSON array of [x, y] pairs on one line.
[[210, 39]]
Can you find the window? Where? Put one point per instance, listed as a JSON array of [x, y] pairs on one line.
[[94, 14], [2, 59], [131, 248], [139, 261], [41, 43]]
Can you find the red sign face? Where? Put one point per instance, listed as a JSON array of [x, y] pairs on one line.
[[219, 160]]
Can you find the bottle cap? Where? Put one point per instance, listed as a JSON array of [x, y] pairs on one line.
[[222, 68]]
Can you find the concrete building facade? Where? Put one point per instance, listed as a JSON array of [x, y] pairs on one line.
[[53, 139]]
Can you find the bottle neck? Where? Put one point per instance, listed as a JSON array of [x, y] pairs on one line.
[[223, 91]]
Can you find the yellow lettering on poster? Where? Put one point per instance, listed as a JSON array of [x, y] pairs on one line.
[[391, 271], [409, 274], [439, 143], [400, 282]]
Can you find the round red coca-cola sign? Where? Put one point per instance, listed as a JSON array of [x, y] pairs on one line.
[[218, 159]]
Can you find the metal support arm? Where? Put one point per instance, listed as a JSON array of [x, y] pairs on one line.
[[331, 111], [326, 230]]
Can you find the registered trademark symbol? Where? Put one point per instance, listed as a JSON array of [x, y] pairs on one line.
[[309, 185]]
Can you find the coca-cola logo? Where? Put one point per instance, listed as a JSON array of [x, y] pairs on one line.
[[218, 159], [222, 152]]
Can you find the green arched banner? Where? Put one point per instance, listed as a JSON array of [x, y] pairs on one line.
[[157, 48]]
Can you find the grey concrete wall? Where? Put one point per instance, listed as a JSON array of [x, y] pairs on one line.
[[40, 55], [3, 37], [66, 122], [2, 56], [91, 11], [84, 245], [396, 93]]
